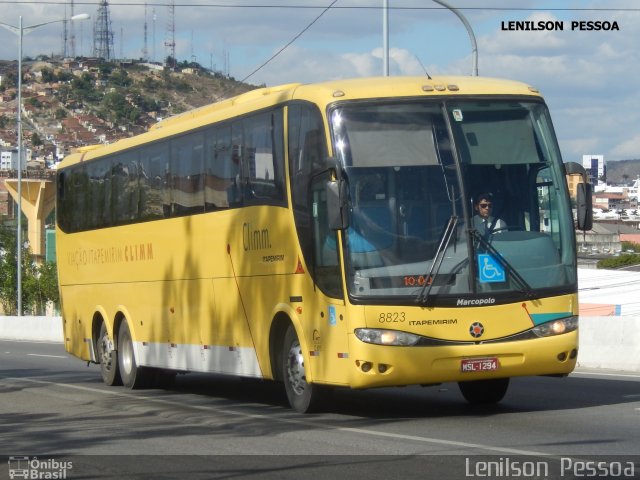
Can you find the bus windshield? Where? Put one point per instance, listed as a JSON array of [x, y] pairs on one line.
[[417, 172]]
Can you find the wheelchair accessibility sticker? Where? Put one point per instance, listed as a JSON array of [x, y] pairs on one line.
[[490, 269]]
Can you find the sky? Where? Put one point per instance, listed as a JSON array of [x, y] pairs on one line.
[[590, 79]]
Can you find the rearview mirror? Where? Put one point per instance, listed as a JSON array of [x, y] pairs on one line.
[[584, 206], [336, 205]]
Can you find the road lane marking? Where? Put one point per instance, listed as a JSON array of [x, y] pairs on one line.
[[596, 374], [306, 423], [47, 356]]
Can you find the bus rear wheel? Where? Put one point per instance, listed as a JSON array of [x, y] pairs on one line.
[[484, 392], [133, 376], [108, 358], [303, 397]]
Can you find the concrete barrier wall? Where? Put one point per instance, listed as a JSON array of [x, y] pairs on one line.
[[36, 329], [610, 342], [605, 342]]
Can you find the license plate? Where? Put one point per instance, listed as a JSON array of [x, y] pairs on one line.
[[479, 365]]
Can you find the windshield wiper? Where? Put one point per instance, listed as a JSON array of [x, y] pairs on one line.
[[522, 283], [430, 277]]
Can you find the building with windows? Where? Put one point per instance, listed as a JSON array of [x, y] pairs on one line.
[[596, 169], [9, 160]]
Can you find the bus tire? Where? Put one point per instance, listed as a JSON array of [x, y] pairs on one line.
[[484, 392], [303, 397], [132, 375], [108, 358]]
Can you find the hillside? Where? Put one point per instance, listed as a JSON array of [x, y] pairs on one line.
[[623, 171], [67, 104]]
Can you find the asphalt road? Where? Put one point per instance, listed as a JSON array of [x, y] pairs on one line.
[[55, 408]]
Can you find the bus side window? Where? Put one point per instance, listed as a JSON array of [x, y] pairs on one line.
[[187, 190], [327, 267], [76, 189], [235, 166], [99, 193], [124, 188], [152, 182], [307, 153], [263, 159], [220, 171]]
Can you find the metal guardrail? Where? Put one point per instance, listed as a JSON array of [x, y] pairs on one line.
[[29, 174]]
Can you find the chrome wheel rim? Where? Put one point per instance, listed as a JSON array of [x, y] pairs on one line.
[[105, 352], [295, 369], [126, 354]]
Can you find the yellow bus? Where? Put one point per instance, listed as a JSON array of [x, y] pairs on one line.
[[324, 236]]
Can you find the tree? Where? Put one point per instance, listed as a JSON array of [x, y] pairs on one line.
[[39, 283], [83, 88], [47, 75], [120, 78], [60, 114], [8, 270], [36, 141], [117, 108]]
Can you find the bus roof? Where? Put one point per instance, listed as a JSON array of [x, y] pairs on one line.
[[323, 94]]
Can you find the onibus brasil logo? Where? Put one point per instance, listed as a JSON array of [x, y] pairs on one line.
[[32, 468]]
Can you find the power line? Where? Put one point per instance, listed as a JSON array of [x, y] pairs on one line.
[[290, 41], [343, 7]]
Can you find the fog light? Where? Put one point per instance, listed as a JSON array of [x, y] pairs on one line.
[[574, 354], [382, 368], [366, 366], [562, 356]]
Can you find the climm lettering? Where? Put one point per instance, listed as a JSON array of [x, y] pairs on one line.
[[137, 253], [255, 238]]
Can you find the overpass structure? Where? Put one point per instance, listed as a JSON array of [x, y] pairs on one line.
[[38, 201]]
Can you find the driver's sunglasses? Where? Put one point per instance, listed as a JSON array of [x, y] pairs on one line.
[[484, 205]]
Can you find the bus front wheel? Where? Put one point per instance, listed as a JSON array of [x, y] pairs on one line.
[[133, 376], [484, 392], [108, 358], [303, 397]]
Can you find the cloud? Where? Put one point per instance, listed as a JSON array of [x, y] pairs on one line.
[[629, 148], [525, 43]]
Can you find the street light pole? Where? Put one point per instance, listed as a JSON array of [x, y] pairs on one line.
[[20, 31], [472, 37], [385, 38], [19, 241]]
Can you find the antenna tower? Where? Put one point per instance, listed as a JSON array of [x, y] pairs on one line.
[[153, 39], [72, 34], [102, 33], [145, 49], [64, 33], [170, 43]]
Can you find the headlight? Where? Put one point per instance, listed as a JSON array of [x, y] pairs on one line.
[[386, 337], [556, 327]]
